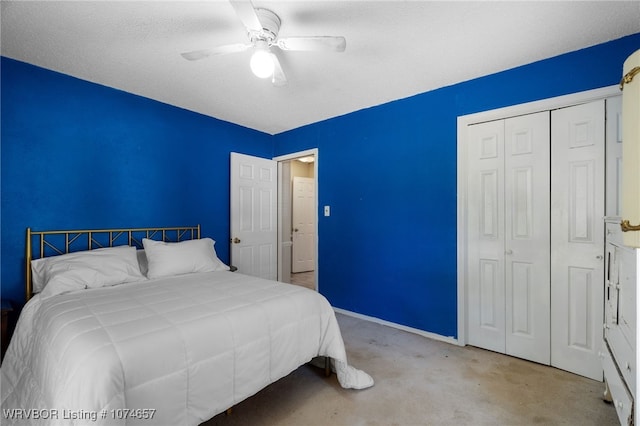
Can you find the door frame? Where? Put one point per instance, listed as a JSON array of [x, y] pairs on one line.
[[481, 117], [289, 157]]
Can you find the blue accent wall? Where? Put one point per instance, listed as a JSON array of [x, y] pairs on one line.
[[388, 250], [80, 155]]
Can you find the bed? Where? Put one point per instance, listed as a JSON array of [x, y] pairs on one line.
[[148, 326]]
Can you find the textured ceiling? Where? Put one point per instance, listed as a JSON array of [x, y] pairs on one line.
[[395, 49]]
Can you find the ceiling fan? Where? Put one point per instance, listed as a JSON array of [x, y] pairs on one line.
[[262, 29]]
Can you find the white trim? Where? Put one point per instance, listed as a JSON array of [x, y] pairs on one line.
[[541, 105], [293, 156], [422, 333], [498, 114], [461, 243]]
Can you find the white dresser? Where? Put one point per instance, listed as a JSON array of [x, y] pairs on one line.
[[619, 354]]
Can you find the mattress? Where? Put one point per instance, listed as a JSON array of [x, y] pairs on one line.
[[170, 351]]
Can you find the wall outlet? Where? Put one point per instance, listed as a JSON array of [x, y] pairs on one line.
[[327, 210]]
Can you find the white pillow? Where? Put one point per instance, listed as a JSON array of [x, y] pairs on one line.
[[85, 269], [167, 259]]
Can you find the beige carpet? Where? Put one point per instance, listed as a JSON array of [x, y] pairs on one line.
[[420, 381]]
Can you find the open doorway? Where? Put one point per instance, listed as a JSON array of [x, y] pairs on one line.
[[297, 218]]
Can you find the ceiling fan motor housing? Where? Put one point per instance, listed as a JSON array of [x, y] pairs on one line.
[[270, 26]]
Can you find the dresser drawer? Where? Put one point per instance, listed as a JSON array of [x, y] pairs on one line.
[[622, 400], [623, 354]]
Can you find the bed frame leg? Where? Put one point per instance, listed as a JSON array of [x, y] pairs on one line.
[[229, 411], [327, 366]]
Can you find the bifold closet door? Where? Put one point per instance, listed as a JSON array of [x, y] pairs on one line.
[[485, 236], [527, 232], [508, 236], [577, 237]]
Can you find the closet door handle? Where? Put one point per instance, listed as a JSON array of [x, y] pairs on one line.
[[599, 257], [508, 251]]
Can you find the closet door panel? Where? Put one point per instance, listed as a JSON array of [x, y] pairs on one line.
[[614, 156], [580, 287], [577, 238], [527, 236], [485, 236]]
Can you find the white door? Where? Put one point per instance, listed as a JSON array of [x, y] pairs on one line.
[[614, 156], [527, 233], [577, 238], [304, 224], [508, 236], [485, 236], [253, 211]]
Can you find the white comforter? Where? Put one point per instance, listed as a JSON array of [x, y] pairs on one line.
[[174, 351]]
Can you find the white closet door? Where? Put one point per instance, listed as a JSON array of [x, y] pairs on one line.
[[577, 238], [614, 156], [508, 239], [527, 233], [485, 236]]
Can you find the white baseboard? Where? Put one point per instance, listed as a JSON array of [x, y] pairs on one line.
[[434, 336]]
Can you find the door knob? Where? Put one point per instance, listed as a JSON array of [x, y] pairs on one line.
[[508, 251], [295, 229], [599, 257], [236, 240]]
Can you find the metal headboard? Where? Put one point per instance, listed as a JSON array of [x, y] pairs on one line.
[[53, 243]]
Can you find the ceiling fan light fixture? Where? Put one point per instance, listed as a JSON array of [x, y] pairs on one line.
[[263, 26], [261, 63]]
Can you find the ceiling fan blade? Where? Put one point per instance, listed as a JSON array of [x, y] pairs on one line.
[[278, 79], [247, 14], [319, 43], [220, 50]]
